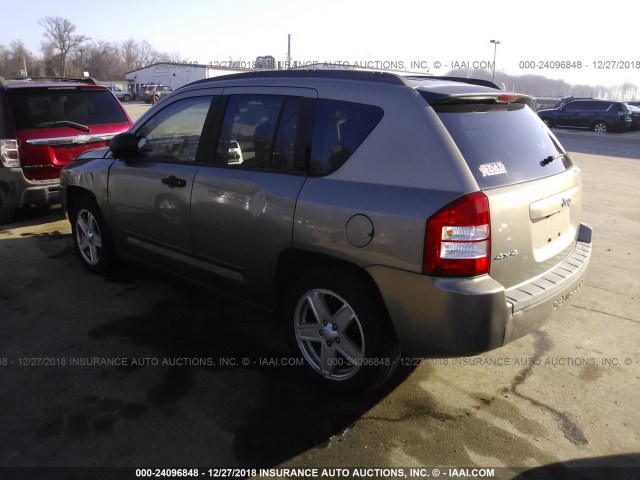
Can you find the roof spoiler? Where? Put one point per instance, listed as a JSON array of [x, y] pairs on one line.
[[471, 81], [504, 97], [87, 80]]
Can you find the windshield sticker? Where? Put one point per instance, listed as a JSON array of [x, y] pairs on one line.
[[495, 168]]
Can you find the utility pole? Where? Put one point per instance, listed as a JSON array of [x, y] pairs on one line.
[[495, 47]]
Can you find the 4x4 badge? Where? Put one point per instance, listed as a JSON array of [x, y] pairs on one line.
[[506, 255]]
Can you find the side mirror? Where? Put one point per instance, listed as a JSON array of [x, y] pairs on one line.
[[124, 145]]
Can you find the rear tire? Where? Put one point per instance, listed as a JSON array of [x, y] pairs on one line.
[[7, 214], [600, 127], [92, 237], [338, 324], [126, 98]]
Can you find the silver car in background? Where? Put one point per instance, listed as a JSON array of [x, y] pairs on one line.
[[379, 215], [123, 95]]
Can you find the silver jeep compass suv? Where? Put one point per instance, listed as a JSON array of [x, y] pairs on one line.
[[379, 215]]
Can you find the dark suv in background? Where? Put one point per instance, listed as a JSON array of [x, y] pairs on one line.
[[44, 124], [147, 91], [601, 116]]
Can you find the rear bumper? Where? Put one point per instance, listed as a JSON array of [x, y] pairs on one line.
[[18, 192], [454, 317]]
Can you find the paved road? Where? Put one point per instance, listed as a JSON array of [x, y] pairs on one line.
[[622, 145], [136, 109], [564, 393]]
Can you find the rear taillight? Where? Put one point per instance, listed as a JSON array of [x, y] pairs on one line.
[[458, 238], [9, 155]]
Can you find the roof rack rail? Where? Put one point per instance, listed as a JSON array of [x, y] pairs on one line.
[[87, 80], [472, 81], [370, 76]]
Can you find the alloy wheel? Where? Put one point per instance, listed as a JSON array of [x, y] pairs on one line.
[[88, 237], [329, 334]]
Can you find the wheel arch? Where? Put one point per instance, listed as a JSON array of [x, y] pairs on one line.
[[73, 193], [292, 263]]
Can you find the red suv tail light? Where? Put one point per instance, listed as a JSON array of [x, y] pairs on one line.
[[458, 238], [9, 155]]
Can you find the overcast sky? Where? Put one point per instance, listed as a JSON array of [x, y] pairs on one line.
[[363, 31]]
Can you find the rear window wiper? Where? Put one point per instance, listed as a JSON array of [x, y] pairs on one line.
[[550, 159], [69, 123]]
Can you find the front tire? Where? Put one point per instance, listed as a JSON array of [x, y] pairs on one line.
[[337, 323], [600, 127], [92, 237]]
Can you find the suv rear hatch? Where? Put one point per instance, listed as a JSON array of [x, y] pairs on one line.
[[54, 124], [533, 188]]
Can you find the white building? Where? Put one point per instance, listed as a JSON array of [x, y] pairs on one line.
[[174, 75]]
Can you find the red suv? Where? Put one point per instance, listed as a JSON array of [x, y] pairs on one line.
[[44, 124]]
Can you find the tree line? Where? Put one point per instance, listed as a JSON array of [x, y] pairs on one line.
[[64, 53], [540, 86]]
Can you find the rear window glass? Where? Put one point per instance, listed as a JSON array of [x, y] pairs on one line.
[[35, 108], [340, 128], [503, 143]]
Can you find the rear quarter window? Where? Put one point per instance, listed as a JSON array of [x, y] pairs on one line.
[[503, 144], [339, 129]]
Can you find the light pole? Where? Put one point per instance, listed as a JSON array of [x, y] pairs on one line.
[[495, 47], [82, 67]]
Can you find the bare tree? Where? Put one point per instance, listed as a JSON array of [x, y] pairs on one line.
[[129, 51], [147, 55], [59, 31], [175, 57]]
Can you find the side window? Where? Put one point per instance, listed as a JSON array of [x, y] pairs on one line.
[[574, 106], [340, 128], [261, 131], [174, 133]]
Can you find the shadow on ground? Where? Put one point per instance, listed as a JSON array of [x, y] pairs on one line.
[[29, 217], [272, 411], [618, 467]]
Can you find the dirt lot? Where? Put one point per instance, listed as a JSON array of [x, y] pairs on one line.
[[201, 393]]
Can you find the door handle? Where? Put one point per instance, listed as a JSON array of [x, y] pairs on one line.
[[174, 182]]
